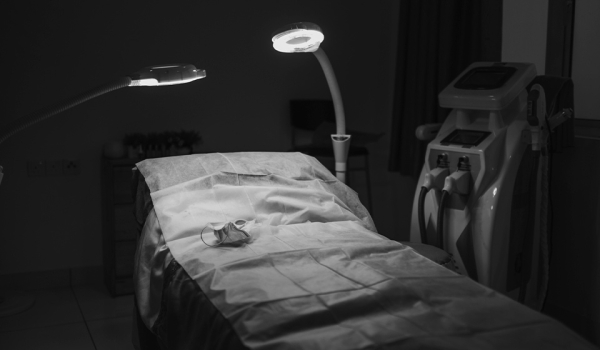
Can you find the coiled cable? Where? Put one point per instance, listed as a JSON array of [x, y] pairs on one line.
[[440, 219], [421, 214], [544, 239], [527, 245]]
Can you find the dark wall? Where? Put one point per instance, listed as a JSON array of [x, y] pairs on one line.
[[56, 49]]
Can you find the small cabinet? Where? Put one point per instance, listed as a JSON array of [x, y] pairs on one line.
[[119, 226]]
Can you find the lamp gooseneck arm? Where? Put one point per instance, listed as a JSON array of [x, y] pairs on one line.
[[340, 119], [36, 117], [341, 141]]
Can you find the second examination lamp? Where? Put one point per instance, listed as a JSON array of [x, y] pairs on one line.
[[150, 76]]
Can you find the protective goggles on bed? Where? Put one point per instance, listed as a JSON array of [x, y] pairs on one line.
[[230, 233]]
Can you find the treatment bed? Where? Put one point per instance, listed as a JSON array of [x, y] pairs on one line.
[[314, 273]]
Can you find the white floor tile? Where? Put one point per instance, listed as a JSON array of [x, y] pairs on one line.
[[72, 336], [112, 333], [51, 307], [96, 303]]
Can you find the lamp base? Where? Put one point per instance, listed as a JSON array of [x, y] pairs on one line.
[[341, 146]]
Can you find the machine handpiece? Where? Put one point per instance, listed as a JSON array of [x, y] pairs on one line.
[[532, 98], [433, 179], [460, 180]]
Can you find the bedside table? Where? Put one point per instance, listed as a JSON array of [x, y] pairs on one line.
[[119, 229]]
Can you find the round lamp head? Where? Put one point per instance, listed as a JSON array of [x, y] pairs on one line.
[[298, 37], [168, 74]]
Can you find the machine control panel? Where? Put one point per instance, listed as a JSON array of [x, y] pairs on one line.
[[465, 138]]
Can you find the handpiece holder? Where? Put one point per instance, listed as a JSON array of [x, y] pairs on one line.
[[428, 132], [536, 114], [555, 120]]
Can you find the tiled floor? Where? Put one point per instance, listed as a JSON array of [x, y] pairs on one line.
[[82, 317]]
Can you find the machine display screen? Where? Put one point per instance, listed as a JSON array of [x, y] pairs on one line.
[[485, 78], [465, 137]]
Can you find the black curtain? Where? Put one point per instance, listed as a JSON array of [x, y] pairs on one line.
[[437, 40]]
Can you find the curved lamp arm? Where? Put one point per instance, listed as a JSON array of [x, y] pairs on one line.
[[340, 140], [150, 76], [45, 113], [340, 118]]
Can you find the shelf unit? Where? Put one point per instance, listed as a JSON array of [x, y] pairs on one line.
[[119, 227]]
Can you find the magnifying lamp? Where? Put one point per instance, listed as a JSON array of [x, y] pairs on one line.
[[171, 74], [306, 37]]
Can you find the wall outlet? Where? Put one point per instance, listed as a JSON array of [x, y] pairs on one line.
[[54, 168], [71, 167], [36, 168]]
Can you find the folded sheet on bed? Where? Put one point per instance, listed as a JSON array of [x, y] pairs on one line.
[[315, 274]]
